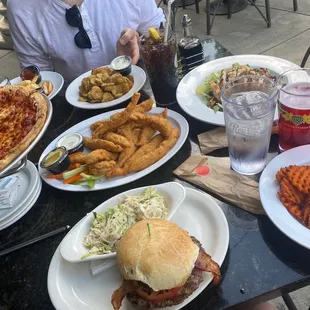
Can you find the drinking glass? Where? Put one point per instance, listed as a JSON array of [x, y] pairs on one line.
[[160, 60], [249, 105], [294, 108], [4, 81]]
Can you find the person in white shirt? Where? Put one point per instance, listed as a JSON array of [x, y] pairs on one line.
[[48, 33]]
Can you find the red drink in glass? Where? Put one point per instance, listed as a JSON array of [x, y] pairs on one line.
[[294, 115]]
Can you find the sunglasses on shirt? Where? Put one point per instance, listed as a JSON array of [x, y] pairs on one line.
[[74, 19]]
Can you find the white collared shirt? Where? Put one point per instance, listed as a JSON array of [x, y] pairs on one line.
[[42, 36]]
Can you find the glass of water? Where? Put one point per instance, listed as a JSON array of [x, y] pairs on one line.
[[249, 105]]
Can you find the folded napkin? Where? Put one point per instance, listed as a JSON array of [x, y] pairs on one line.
[[214, 175], [216, 139], [98, 266]]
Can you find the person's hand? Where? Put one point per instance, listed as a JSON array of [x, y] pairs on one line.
[[128, 44]]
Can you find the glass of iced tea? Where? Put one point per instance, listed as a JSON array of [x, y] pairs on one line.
[[160, 60], [294, 108]]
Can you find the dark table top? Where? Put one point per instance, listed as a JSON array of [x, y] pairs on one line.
[[261, 262]]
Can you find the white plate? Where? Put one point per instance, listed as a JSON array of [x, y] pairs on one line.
[[72, 248], [72, 286], [26, 185], [194, 105], [176, 120], [72, 92], [20, 213], [268, 188], [54, 77]]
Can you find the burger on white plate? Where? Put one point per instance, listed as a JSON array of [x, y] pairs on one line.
[[161, 264]]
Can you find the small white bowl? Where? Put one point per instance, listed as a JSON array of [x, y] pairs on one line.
[[72, 248]]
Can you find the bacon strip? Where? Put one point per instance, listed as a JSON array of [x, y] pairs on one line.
[[119, 294], [205, 263]]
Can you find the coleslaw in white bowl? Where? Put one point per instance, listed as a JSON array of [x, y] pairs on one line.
[[95, 235]]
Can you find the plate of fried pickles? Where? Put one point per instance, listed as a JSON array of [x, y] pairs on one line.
[[103, 88], [121, 146]]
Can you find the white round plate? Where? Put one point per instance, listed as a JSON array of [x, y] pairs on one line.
[[194, 105], [72, 92], [26, 185], [176, 120], [72, 248], [72, 286], [268, 188], [28, 205], [54, 77]]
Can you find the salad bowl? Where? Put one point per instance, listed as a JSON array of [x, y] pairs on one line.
[[72, 247]]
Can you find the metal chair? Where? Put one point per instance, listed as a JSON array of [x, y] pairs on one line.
[[267, 18]]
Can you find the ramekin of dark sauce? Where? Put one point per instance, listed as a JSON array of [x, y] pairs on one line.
[[30, 73]]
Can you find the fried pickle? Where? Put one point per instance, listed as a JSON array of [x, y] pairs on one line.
[[104, 85], [95, 144]]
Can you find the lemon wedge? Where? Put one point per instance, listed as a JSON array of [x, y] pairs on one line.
[[153, 33]]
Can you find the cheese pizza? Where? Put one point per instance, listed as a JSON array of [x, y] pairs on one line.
[[22, 115]]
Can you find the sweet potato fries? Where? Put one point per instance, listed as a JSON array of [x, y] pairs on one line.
[[294, 191]]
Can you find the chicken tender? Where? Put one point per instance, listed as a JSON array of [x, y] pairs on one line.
[[116, 120], [95, 144], [161, 124], [150, 158], [117, 139], [102, 168], [126, 154], [145, 149], [93, 157], [144, 106], [147, 132]]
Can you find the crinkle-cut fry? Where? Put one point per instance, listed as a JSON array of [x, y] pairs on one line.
[[147, 132], [145, 149], [290, 193], [95, 144], [116, 120], [161, 124], [144, 106], [126, 154], [282, 173], [299, 176], [102, 168], [117, 139], [150, 158]]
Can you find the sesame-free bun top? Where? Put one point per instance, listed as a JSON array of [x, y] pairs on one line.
[[163, 259]]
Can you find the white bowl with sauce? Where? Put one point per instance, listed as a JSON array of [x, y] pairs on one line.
[[72, 248]]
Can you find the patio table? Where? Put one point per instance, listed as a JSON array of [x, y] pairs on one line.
[[261, 262]]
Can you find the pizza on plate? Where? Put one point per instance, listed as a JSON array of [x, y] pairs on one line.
[[22, 116]]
